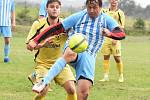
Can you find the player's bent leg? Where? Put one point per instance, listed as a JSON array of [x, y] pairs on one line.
[[69, 55], [119, 65], [83, 89], [71, 90], [106, 68]]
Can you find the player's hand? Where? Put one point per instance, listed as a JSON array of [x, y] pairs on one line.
[[106, 32], [45, 43], [31, 45]]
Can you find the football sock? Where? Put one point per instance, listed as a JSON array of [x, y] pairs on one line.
[[6, 50], [106, 66], [39, 97], [55, 70], [120, 67], [71, 96]]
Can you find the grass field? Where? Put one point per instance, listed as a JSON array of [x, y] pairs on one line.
[[136, 56]]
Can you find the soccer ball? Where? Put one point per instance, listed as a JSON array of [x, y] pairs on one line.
[[78, 43]]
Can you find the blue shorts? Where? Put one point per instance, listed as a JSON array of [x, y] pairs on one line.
[[85, 66], [5, 31]]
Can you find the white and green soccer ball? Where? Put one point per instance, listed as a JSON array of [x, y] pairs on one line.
[[78, 43]]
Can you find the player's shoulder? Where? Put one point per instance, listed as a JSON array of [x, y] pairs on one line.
[[104, 10], [40, 21], [104, 14], [120, 11]]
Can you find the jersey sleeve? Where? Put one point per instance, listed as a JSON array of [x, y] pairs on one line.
[[42, 8], [122, 18], [12, 5], [32, 31]]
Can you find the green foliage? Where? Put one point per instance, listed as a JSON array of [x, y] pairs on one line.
[[26, 15], [130, 30], [139, 24], [23, 18]]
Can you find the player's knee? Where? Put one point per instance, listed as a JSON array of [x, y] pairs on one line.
[[71, 90], [70, 87], [83, 93], [69, 55], [117, 59]]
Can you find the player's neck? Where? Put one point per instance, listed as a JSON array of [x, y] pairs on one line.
[[53, 21], [113, 8]]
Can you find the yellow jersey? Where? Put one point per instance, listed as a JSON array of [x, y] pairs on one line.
[[47, 55], [119, 16]]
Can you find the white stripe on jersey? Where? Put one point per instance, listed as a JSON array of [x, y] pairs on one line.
[[102, 25], [5, 12], [91, 28]]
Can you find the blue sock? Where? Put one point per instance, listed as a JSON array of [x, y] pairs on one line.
[[6, 50], [55, 70]]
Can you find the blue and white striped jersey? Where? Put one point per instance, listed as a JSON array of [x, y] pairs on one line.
[[90, 27], [42, 9], [6, 7]]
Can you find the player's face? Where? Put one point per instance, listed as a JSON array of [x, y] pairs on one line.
[[93, 10], [53, 10], [114, 3]]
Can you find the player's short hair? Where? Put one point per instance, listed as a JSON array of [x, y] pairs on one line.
[[99, 2], [51, 1]]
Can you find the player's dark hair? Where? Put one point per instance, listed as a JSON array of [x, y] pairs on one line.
[[51, 1], [99, 2]]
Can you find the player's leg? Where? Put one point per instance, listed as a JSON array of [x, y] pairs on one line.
[[106, 68], [70, 90], [116, 51], [106, 51], [57, 67], [40, 71], [6, 31], [84, 86], [67, 80], [119, 65], [85, 68]]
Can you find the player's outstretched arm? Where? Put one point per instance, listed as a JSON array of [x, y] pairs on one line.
[[116, 34]]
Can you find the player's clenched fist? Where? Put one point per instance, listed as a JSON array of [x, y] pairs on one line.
[[31, 45]]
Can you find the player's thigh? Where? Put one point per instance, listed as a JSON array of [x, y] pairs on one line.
[[106, 50], [41, 71], [6, 31], [116, 49], [85, 66], [84, 85], [65, 75]]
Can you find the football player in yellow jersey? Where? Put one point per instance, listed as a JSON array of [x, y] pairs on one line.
[[47, 55], [111, 46]]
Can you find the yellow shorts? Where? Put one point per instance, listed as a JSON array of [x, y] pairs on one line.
[[60, 79], [110, 48]]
